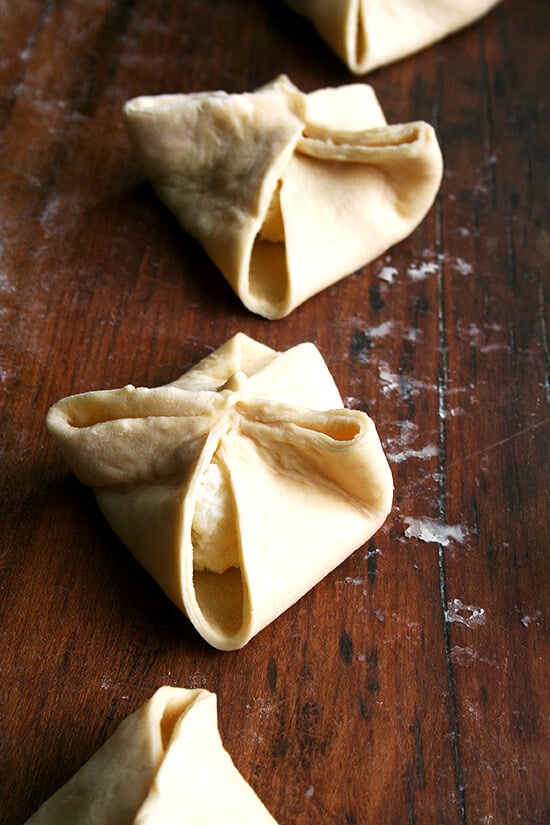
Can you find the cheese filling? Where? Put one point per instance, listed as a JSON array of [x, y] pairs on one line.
[[213, 533]]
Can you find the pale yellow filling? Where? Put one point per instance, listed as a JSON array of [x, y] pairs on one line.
[[213, 532]]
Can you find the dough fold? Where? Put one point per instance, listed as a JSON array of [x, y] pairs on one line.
[[164, 765], [238, 487], [366, 34], [287, 192]]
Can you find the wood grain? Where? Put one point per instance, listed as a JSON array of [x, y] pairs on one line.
[[411, 685]]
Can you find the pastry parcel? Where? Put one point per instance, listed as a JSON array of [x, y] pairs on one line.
[[164, 765], [287, 192], [238, 487], [366, 34]]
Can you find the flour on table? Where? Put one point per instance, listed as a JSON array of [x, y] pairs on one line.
[[467, 614], [428, 451], [429, 529], [387, 273]]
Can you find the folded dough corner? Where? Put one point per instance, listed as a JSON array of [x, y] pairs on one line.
[[366, 34], [164, 765], [238, 486], [287, 192]]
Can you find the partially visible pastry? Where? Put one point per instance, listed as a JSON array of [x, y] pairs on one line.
[[287, 192], [238, 487], [164, 765], [366, 34]]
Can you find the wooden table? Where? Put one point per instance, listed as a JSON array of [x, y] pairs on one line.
[[409, 686]]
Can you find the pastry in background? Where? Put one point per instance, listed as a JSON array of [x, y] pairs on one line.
[[366, 34], [164, 765], [238, 487], [287, 192]]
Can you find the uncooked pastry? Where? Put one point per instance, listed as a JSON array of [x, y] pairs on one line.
[[238, 487], [287, 192], [164, 765], [366, 34]]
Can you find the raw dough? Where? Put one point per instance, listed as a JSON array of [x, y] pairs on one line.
[[164, 765], [287, 192], [366, 34], [238, 487]]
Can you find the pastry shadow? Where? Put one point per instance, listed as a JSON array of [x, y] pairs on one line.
[[133, 604], [161, 255], [302, 51], [70, 564]]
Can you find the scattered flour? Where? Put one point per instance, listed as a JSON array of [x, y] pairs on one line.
[[493, 347], [381, 330], [526, 620], [428, 529], [389, 379], [5, 284], [429, 451], [388, 273], [261, 705], [463, 655], [196, 680], [463, 267], [404, 384], [452, 413], [357, 580], [412, 334], [467, 614], [418, 272], [408, 428]]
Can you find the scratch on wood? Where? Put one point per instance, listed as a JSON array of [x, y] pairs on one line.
[[500, 442]]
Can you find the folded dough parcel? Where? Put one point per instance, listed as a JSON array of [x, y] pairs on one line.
[[366, 34], [238, 487], [287, 192], [160, 767]]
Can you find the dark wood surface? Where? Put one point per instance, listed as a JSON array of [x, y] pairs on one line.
[[410, 686]]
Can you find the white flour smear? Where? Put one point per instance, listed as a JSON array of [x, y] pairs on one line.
[[462, 266], [429, 451], [429, 529], [381, 330], [465, 655], [393, 382], [388, 273], [467, 614], [418, 272]]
